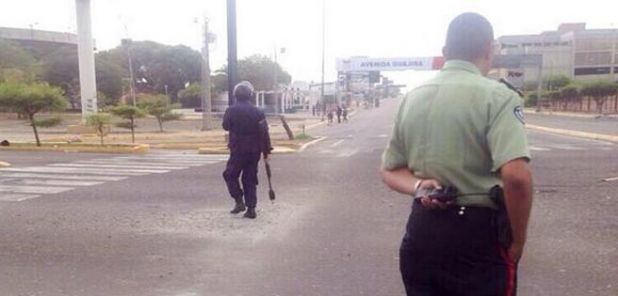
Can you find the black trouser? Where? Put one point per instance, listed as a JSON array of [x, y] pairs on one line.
[[444, 253], [247, 164]]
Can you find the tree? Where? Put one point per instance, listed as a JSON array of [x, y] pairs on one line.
[[191, 97], [158, 106], [129, 113], [30, 99], [556, 82], [156, 66], [599, 91], [100, 122], [258, 69], [61, 68], [569, 93]]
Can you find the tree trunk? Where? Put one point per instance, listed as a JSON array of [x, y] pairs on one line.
[[160, 124], [616, 103], [599, 102], [100, 129], [132, 131], [287, 128], [589, 104], [36, 132]]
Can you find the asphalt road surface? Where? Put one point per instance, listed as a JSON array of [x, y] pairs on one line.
[[84, 224]]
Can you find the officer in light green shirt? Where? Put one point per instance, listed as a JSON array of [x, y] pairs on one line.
[[463, 130], [459, 128]]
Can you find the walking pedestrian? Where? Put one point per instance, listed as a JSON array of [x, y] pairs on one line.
[[248, 140], [463, 132], [345, 114], [339, 111]]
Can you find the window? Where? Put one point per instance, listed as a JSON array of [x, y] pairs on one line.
[[592, 71], [593, 58]]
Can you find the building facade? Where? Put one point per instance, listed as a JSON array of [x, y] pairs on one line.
[[572, 50]]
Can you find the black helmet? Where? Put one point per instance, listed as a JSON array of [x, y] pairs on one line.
[[243, 90]]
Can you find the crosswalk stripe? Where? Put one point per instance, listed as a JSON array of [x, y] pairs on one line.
[[59, 182], [565, 147], [138, 163], [33, 189], [61, 176], [218, 157], [181, 161], [16, 197], [71, 170], [116, 166]]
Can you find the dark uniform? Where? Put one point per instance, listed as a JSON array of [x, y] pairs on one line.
[[248, 140]]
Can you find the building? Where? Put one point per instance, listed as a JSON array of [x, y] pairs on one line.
[[38, 42], [572, 50]]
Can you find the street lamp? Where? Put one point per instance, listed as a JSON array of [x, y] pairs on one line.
[[231, 50], [323, 99]]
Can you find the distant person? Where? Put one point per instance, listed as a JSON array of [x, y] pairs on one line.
[[313, 110], [339, 111], [345, 114], [330, 116], [463, 134], [249, 139]]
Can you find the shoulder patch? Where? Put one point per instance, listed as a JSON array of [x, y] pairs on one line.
[[519, 114]]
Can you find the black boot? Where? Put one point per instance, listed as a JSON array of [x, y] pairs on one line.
[[250, 213], [239, 207]]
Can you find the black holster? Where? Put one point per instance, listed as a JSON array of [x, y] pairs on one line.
[[501, 220]]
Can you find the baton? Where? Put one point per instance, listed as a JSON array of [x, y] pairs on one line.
[[271, 192]]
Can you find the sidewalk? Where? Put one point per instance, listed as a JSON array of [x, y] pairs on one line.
[[584, 126], [182, 134]]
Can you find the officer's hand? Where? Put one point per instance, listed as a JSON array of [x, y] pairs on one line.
[[266, 159], [429, 203]]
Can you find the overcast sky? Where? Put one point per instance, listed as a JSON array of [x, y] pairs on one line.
[[376, 28]]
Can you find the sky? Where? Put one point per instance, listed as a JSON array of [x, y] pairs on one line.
[[375, 28]]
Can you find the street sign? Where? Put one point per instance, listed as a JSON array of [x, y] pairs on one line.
[[363, 64]]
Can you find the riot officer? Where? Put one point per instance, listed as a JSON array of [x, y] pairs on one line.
[[462, 131], [248, 141]]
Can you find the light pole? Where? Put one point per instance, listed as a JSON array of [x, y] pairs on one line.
[[322, 98], [206, 100], [231, 50], [127, 42]]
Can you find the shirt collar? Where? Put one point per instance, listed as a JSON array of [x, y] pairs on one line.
[[461, 65]]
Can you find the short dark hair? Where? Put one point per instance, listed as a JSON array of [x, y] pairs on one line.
[[468, 35]]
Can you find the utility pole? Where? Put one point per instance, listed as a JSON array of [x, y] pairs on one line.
[[276, 85], [232, 76], [206, 100], [322, 98], [85, 47]]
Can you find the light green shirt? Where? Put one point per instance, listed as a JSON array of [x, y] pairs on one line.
[[459, 128]]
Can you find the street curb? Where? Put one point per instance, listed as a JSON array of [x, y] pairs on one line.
[[4, 164], [569, 114], [81, 148], [572, 133], [307, 145]]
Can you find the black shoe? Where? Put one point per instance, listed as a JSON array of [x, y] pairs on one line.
[[250, 213], [239, 207]]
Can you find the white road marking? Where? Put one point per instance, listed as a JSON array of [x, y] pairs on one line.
[[181, 161], [16, 197], [347, 153], [337, 143], [33, 189], [610, 179], [142, 163], [73, 170], [383, 136], [566, 147], [61, 176], [117, 166], [59, 182], [535, 148]]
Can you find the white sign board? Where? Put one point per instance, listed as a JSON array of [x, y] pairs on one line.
[[389, 64]]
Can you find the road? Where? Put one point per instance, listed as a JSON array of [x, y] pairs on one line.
[[84, 224]]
